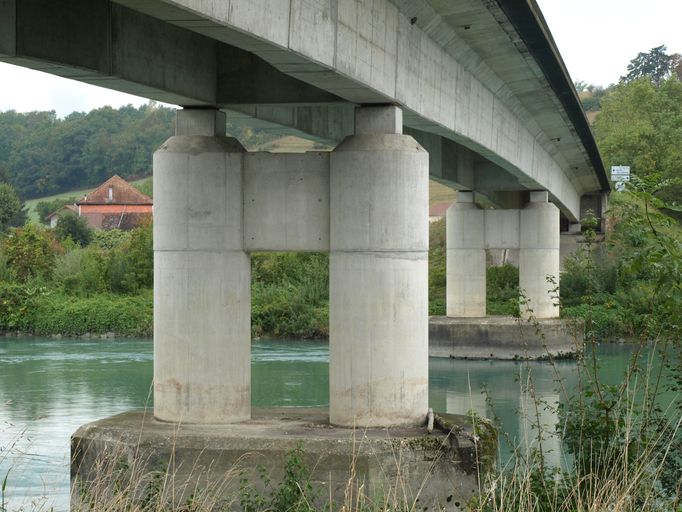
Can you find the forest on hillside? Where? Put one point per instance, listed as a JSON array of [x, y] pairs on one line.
[[42, 155]]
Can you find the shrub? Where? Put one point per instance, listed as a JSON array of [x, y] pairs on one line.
[[81, 272], [140, 254], [10, 206], [502, 290], [98, 314], [290, 294], [588, 273], [110, 238], [70, 226], [603, 322], [437, 270], [5, 273], [30, 252], [17, 303]]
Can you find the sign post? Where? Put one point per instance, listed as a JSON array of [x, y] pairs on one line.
[[620, 174]]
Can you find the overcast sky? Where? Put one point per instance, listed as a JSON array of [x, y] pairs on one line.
[[597, 39]]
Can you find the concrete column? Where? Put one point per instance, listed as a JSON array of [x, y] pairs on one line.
[[574, 228], [539, 256], [378, 302], [465, 258], [202, 303]]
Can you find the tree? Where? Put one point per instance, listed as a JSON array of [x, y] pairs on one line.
[[30, 252], [10, 206], [73, 227], [656, 65], [45, 208], [640, 125], [43, 154]]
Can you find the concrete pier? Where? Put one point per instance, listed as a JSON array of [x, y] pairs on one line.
[[533, 231], [202, 276], [405, 468], [539, 259], [465, 258], [503, 337], [367, 203], [378, 296]]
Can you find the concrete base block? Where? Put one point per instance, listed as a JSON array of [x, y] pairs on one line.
[[501, 337], [403, 466]]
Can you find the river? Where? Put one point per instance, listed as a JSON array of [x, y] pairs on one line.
[[48, 388]]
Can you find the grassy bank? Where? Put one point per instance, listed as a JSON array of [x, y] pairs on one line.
[[43, 311]]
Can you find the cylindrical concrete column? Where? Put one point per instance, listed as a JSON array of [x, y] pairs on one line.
[[465, 258], [202, 298], [539, 257], [378, 297]]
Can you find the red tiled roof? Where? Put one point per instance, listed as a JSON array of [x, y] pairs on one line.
[[122, 192], [69, 207], [438, 209]]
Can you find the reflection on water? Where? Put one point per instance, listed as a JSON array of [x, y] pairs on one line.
[[48, 388]]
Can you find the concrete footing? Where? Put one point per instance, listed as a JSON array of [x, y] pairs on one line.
[[402, 467], [501, 337]]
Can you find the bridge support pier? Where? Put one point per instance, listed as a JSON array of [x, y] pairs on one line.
[[202, 283], [466, 331], [539, 257], [533, 231], [465, 258], [378, 303]]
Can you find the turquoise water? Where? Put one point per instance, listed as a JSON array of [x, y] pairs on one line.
[[48, 388]]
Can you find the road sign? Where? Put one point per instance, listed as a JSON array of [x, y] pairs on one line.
[[620, 173]]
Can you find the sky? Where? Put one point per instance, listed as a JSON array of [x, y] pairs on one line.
[[596, 38]]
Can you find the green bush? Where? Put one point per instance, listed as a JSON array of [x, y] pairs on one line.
[[17, 305], [290, 295], [10, 206], [437, 270], [70, 226], [98, 314], [502, 290], [588, 273], [81, 272], [603, 322], [140, 254], [33, 308], [5, 273], [110, 238], [30, 252]]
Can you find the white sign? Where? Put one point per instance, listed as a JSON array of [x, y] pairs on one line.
[[620, 186], [620, 173]]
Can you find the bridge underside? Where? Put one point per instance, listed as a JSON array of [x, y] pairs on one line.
[[472, 92]]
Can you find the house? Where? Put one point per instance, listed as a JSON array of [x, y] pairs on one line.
[[115, 204], [437, 211]]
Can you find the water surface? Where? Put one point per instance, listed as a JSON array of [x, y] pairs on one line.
[[48, 388]]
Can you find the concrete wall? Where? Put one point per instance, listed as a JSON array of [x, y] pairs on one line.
[[286, 202]]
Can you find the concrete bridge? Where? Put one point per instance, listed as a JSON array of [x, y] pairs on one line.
[[471, 92]]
